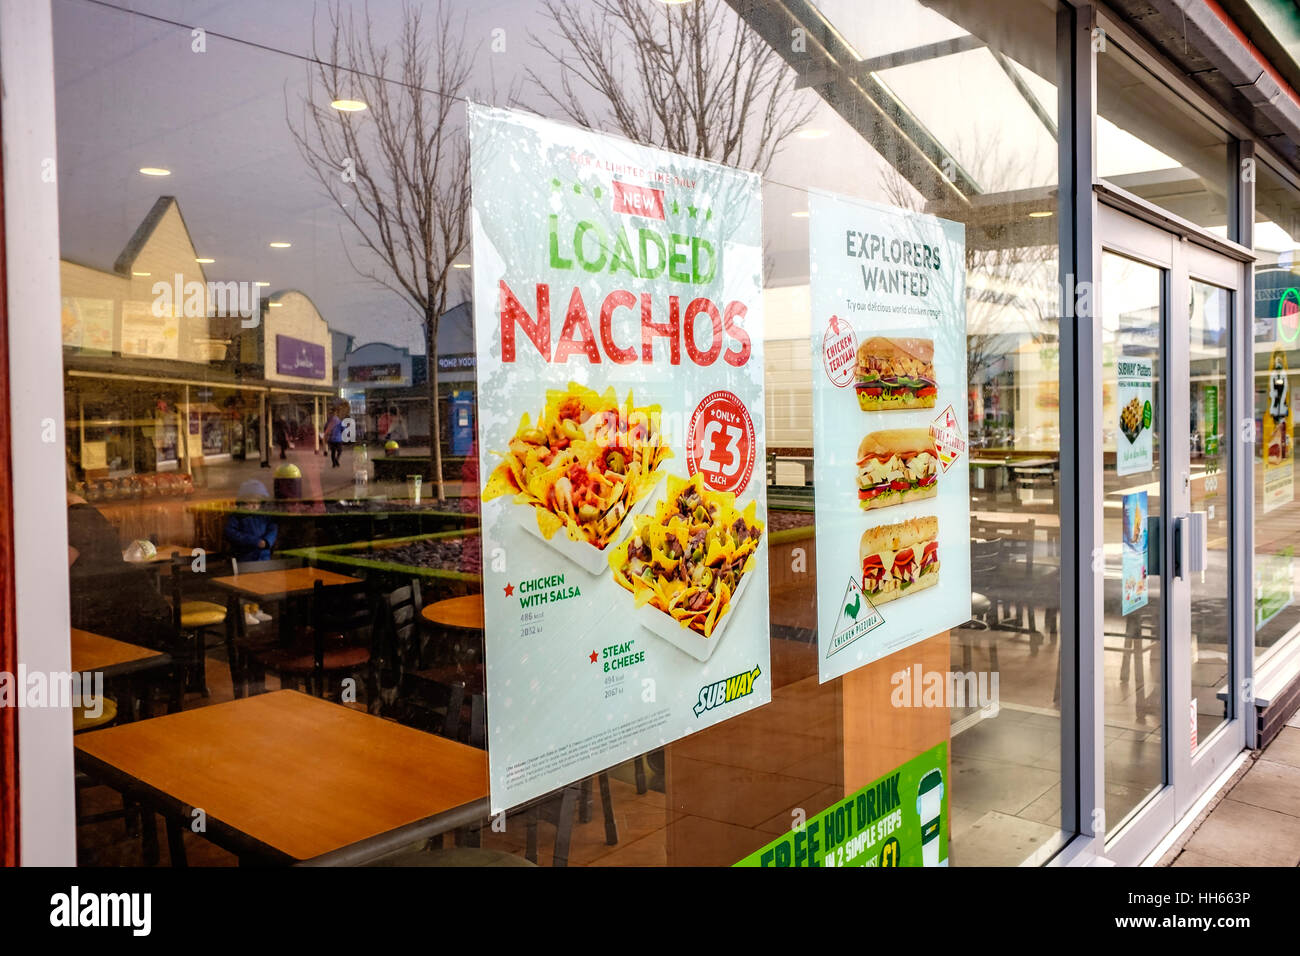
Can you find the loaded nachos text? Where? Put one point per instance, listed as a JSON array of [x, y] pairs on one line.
[[688, 559], [586, 462]]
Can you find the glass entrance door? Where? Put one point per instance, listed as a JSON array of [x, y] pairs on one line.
[[1168, 714]]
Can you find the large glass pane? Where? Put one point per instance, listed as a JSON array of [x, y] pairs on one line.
[[1208, 391], [360, 372], [1276, 348], [1133, 634], [1150, 142]]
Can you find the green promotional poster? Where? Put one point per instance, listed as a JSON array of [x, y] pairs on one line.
[[899, 820], [1211, 419], [1274, 584], [618, 321]]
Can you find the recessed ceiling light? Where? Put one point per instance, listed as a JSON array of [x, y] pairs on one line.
[[674, 3], [281, 245], [155, 171], [348, 106], [205, 260], [801, 214], [275, 305], [460, 265], [261, 283], [813, 133], [141, 274], [1040, 214]]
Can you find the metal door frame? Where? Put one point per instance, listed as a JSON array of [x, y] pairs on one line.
[[1183, 253]]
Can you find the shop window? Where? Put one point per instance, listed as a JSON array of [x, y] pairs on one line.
[[1152, 143], [1276, 339], [310, 413]]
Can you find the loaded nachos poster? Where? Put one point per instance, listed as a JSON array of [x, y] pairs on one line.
[[889, 429], [619, 331]]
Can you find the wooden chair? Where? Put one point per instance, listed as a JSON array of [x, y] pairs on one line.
[[429, 698], [986, 564], [1022, 584], [192, 617], [332, 647], [1141, 637], [557, 808]]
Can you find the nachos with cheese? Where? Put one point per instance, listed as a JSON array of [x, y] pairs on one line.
[[586, 462], [689, 558]]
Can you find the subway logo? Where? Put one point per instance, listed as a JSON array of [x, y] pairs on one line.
[[725, 691]]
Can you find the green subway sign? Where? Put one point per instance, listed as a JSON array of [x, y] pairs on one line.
[[1288, 315]]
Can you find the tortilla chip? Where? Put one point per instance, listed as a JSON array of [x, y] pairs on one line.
[[548, 523], [500, 482]]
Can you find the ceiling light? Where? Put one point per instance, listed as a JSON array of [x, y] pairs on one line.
[[801, 214], [205, 260], [281, 245], [155, 171], [275, 305], [140, 274], [348, 106], [813, 133], [674, 3], [261, 283], [1040, 214], [460, 265]]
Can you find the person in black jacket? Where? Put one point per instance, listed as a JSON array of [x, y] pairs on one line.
[[109, 596], [280, 433]]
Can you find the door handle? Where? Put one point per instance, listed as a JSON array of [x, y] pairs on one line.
[[1197, 543], [1155, 546], [1179, 555], [1190, 545]]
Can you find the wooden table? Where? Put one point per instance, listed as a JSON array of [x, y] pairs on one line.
[[286, 777], [163, 553], [130, 665], [95, 652], [461, 612], [1043, 520], [273, 586], [278, 585]]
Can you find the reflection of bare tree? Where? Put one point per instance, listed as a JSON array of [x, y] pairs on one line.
[[690, 78], [1011, 278], [398, 171]]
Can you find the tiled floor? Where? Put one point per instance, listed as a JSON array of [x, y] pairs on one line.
[[1257, 822]]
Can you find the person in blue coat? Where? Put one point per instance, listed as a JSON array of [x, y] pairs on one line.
[[251, 536]]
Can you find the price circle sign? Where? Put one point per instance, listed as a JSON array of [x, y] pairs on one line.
[[720, 442]]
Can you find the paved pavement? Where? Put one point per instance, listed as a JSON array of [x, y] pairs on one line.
[[1256, 821]]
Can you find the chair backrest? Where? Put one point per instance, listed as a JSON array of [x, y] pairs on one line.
[[399, 611], [478, 721], [986, 558], [275, 564]]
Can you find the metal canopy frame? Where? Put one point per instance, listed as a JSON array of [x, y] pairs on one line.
[[831, 67]]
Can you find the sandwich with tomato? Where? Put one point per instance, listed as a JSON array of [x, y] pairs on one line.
[[898, 559], [895, 373], [897, 465]]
